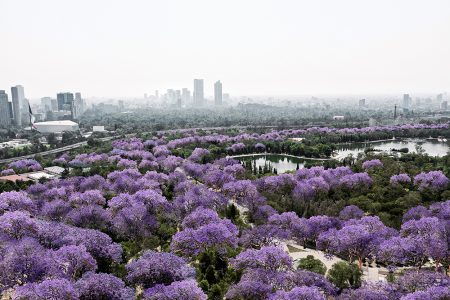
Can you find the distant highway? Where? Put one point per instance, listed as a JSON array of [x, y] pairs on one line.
[[53, 151], [84, 143]]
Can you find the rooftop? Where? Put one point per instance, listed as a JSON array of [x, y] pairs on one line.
[[55, 170], [38, 175], [13, 178], [61, 122]]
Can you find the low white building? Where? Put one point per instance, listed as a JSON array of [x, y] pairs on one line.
[[56, 126], [55, 170], [98, 128], [35, 176], [16, 143]]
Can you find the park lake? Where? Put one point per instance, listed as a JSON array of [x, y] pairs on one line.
[[284, 162]]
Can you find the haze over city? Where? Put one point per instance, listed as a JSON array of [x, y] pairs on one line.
[[224, 150], [128, 48]]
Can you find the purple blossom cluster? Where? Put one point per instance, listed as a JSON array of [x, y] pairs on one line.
[[370, 164], [198, 154], [433, 181], [7, 172], [203, 230], [190, 136], [25, 165], [88, 159], [400, 179], [237, 147], [59, 238]]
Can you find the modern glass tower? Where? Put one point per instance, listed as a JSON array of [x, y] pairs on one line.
[[218, 93], [199, 97], [5, 116], [18, 100]]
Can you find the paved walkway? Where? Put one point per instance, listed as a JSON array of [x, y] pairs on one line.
[[298, 252]]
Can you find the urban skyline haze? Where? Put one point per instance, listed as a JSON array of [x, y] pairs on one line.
[[127, 48]]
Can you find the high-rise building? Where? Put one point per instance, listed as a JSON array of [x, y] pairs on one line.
[[46, 103], [77, 107], [54, 105], [18, 99], [439, 97], [407, 101], [362, 102], [199, 97], [64, 101], [5, 116], [444, 105], [218, 93], [25, 112], [185, 96], [171, 96]]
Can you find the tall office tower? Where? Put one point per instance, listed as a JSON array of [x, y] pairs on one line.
[[178, 95], [185, 96], [77, 107], [362, 102], [157, 95], [406, 100], [5, 116], [218, 93], [18, 99], [171, 96], [54, 105], [444, 105], [198, 92], [46, 104], [439, 97], [64, 101], [26, 112]]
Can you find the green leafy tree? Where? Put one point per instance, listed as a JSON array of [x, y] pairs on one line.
[[312, 264], [345, 275]]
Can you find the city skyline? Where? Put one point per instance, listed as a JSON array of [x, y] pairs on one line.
[[289, 48]]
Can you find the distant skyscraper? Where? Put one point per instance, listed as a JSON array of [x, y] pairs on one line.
[[218, 93], [199, 97], [46, 104], [65, 101], [54, 105], [77, 106], [406, 101], [5, 116], [185, 95], [362, 102], [444, 105], [439, 97], [18, 99], [171, 96]]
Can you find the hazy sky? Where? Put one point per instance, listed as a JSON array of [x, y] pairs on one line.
[[255, 47]]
